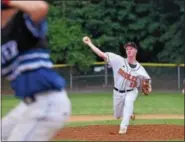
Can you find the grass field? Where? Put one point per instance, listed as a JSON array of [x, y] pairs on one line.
[[101, 104], [138, 122]]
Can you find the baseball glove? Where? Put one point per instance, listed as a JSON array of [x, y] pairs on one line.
[[145, 86]]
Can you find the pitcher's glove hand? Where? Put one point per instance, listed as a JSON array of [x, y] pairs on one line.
[[146, 88]]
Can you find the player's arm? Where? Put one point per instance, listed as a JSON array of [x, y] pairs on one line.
[[95, 49], [114, 60], [34, 15], [37, 10], [145, 76]]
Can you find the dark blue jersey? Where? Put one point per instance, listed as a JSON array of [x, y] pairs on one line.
[[25, 57]]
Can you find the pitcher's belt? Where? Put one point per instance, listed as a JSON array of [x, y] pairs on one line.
[[123, 91]]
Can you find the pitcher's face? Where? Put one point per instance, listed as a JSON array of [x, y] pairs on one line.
[[131, 51]]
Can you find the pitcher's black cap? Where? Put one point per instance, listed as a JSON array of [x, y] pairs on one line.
[[130, 44]]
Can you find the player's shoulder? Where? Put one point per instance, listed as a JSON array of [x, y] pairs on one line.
[[111, 54], [140, 66]]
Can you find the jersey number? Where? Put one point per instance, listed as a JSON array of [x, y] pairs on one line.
[[133, 84], [9, 51], [129, 77]]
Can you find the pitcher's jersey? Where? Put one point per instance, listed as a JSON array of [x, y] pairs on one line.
[[25, 58], [125, 77]]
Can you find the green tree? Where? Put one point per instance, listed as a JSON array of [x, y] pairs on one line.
[[65, 39], [113, 22], [172, 26], [155, 25]]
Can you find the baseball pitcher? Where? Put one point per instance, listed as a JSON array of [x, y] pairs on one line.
[[26, 63], [128, 75]]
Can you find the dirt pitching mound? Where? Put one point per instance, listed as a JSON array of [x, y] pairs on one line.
[[83, 118], [134, 133]]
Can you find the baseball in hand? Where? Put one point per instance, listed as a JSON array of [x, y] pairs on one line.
[[86, 40]]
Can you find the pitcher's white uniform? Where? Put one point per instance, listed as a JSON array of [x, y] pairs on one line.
[[126, 82]]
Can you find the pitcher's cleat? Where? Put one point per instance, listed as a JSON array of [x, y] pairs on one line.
[[133, 117], [123, 131]]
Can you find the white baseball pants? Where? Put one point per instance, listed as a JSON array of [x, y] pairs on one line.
[[38, 121], [123, 104]]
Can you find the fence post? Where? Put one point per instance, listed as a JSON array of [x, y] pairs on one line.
[[71, 77], [178, 77], [106, 77]]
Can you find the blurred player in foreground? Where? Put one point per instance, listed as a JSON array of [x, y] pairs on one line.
[[128, 76], [44, 105]]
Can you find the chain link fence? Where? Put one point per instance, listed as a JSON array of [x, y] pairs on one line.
[[99, 77]]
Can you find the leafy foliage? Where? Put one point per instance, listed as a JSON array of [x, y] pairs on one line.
[[66, 43], [172, 36], [155, 25]]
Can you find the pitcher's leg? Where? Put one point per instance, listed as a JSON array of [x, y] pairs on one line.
[[11, 119], [118, 103], [127, 113], [128, 110]]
